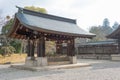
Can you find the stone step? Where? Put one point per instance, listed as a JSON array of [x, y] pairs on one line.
[[59, 63], [52, 59]]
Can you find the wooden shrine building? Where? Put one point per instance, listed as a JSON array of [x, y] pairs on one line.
[[36, 28], [116, 35]]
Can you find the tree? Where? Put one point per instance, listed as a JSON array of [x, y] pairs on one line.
[[38, 9], [106, 29], [115, 25], [101, 31], [106, 23], [16, 44], [100, 35], [7, 26]]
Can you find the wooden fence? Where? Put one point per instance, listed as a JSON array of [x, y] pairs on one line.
[[97, 51]]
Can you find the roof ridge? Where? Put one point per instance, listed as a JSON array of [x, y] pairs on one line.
[[49, 16]]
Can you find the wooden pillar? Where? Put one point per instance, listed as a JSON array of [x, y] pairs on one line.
[[70, 48], [32, 48], [41, 47], [39, 54], [28, 48]]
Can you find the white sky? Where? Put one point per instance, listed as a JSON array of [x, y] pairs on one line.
[[86, 12]]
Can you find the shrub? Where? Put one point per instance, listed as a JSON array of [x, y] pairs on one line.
[[7, 50]]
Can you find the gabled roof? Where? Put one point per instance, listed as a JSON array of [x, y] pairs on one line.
[[50, 23], [115, 34]]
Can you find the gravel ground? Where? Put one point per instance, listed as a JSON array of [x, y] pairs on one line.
[[100, 70]]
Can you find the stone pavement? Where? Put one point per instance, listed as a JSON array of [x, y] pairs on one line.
[[99, 70]]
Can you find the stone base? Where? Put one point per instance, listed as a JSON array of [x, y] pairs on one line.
[[115, 57], [73, 59], [42, 61], [68, 66], [36, 62]]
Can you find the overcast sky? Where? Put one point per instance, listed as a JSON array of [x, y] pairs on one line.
[[86, 12]]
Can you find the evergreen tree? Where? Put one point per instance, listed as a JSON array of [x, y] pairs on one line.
[[115, 25], [106, 23], [100, 35], [101, 31], [106, 29]]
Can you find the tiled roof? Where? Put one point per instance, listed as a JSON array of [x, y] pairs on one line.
[[50, 23]]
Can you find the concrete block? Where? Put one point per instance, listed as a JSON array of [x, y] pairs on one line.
[[30, 62], [73, 59], [115, 57], [42, 61], [36, 62]]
